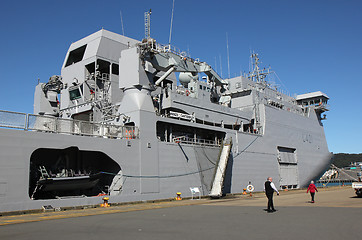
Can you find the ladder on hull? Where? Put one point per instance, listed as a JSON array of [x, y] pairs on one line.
[[216, 190]]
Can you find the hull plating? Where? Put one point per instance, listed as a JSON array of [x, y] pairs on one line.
[[175, 167]]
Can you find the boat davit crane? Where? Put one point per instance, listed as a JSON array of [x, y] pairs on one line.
[[166, 59]]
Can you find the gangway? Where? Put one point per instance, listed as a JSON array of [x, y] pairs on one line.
[[216, 190]]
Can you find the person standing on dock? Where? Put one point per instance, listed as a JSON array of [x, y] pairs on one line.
[[312, 189], [269, 189]]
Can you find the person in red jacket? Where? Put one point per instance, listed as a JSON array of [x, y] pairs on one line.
[[312, 189]]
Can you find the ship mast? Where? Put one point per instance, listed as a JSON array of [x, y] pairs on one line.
[[148, 24], [258, 75]]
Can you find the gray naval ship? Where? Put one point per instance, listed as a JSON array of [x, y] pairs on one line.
[[118, 122]]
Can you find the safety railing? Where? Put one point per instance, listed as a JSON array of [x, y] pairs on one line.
[[13, 120], [196, 141], [31, 122]]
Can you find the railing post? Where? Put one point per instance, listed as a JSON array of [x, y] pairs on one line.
[[26, 121]]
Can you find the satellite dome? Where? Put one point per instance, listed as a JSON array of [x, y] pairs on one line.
[[186, 77]]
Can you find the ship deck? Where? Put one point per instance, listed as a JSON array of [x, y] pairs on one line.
[[335, 215]]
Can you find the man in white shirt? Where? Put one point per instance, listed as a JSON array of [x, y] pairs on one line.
[[269, 189]]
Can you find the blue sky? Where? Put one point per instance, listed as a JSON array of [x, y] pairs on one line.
[[312, 45]]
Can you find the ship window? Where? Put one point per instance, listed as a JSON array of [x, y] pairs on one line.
[[74, 94], [76, 55], [115, 69], [200, 87], [103, 66], [53, 104]]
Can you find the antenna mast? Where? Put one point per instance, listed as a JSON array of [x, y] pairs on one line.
[[173, 6], [220, 65], [120, 12], [257, 74], [148, 24], [227, 49]]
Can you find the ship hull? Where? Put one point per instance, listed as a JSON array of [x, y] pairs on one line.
[[153, 169]]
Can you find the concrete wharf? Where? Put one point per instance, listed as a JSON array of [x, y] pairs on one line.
[[336, 214]]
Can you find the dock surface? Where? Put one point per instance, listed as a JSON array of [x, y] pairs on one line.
[[336, 214]]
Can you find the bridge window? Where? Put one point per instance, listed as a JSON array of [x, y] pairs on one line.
[[76, 55], [74, 94], [115, 69]]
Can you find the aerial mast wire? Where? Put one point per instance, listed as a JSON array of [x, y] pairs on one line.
[[120, 12], [220, 66], [215, 65], [227, 49], [173, 7]]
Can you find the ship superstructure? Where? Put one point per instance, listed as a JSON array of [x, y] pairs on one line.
[[119, 122]]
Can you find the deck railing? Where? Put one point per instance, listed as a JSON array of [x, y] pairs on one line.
[[31, 122], [196, 141]]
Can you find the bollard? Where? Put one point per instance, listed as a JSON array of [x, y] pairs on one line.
[[178, 196], [105, 202]]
